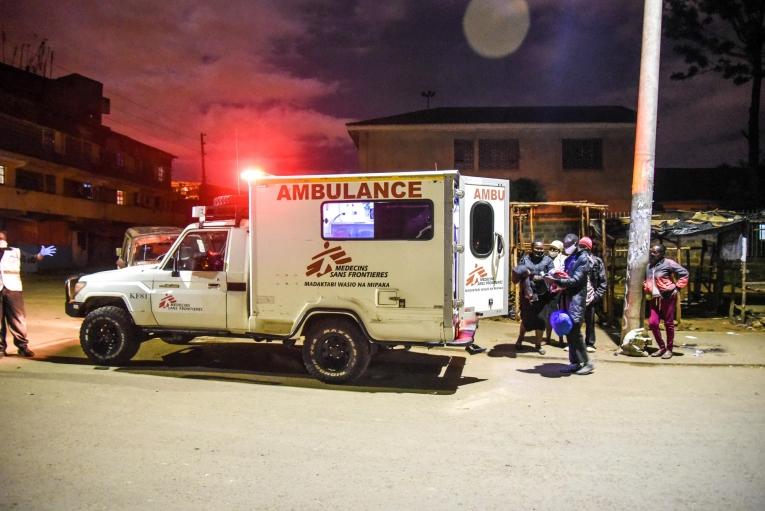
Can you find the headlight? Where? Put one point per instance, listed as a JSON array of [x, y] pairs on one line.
[[73, 286], [79, 287]]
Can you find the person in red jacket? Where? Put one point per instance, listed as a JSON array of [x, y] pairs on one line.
[[664, 279]]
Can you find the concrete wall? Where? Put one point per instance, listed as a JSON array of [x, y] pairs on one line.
[[432, 147]]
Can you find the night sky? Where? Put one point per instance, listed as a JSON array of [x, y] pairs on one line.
[[274, 82]]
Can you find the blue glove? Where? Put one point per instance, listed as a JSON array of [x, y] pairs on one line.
[[47, 251]]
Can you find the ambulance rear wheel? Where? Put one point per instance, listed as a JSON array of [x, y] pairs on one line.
[[336, 351], [108, 336]]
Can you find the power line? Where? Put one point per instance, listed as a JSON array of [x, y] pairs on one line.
[[148, 135]]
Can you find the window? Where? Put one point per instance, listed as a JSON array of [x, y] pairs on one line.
[[29, 180], [119, 158], [497, 154], [582, 153], [74, 148], [377, 220], [77, 189], [50, 183], [481, 229], [463, 154], [48, 140], [161, 174], [120, 197], [2, 174], [200, 251]]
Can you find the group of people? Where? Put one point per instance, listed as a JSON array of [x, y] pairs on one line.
[[12, 313], [570, 278]]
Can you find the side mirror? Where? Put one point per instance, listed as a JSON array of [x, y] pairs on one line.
[[176, 272]]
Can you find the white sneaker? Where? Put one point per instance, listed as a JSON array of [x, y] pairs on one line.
[[565, 348], [591, 348]]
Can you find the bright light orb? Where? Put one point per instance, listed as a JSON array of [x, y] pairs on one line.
[[252, 174], [496, 28]]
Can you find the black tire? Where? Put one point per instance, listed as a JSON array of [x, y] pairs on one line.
[[108, 336], [335, 351]]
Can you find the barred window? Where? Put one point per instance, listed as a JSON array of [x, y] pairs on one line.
[[29, 180], [463, 154], [583, 153], [2, 174], [498, 154]]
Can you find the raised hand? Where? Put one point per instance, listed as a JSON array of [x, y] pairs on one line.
[[47, 251]]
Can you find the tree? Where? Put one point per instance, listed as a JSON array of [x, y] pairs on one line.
[[724, 36]]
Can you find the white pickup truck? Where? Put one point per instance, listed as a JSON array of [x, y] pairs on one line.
[[344, 263]]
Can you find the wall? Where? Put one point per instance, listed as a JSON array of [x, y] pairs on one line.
[[431, 147]]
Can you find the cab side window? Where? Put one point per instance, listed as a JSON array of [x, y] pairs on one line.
[[201, 251]]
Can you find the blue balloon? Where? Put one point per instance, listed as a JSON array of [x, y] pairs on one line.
[[561, 322]]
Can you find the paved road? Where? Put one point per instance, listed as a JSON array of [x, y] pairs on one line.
[[241, 426]]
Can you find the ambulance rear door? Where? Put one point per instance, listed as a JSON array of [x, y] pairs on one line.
[[483, 263]]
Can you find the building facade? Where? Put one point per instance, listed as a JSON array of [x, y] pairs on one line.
[[548, 153], [66, 179]]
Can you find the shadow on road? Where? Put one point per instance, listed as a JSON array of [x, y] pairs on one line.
[[276, 364], [550, 370]]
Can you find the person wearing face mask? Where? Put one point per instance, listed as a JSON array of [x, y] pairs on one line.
[[573, 301], [556, 254], [11, 299], [534, 304], [664, 279]]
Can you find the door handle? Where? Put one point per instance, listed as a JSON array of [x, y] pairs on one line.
[[213, 286]]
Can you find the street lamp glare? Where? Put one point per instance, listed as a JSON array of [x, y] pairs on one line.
[[252, 174]]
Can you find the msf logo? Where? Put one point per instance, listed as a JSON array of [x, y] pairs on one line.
[[167, 301], [475, 276], [325, 259]]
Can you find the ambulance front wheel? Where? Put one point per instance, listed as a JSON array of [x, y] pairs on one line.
[[108, 336], [335, 351]]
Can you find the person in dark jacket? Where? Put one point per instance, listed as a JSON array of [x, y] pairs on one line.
[[534, 304], [664, 279], [573, 300], [596, 290]]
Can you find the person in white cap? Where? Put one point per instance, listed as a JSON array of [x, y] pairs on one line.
[[11, 300], [556, 254]]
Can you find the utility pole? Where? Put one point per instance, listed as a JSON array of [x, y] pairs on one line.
[[643, 169], [203, 185]]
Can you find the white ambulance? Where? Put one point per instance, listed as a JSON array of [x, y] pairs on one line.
[[345, 263]]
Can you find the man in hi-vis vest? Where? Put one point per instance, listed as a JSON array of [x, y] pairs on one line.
[[11, 300]]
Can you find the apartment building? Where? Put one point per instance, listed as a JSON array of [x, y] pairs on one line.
[[66, 179]]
